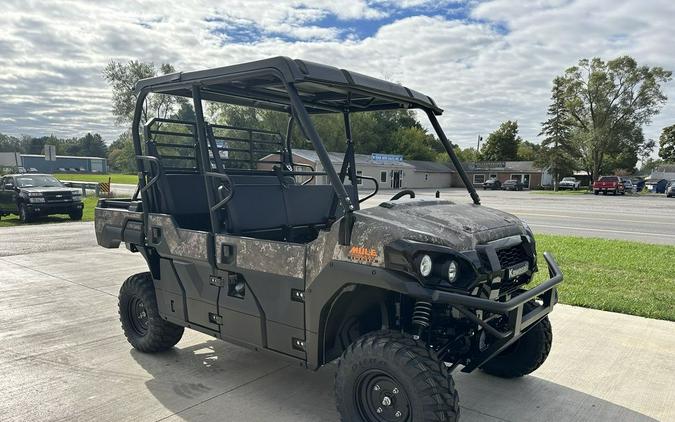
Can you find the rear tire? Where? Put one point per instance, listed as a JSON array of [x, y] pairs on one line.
[[386, 372], [143, 327], [76, 215], [524, 356], [25, 216]]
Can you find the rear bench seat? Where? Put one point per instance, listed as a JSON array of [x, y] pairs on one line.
[[260, 206]]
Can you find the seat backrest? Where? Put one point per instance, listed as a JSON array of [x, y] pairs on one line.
[[311, 204], [257, 204], [183, 196]]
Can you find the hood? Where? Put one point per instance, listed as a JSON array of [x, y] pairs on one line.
[[461, 226], [44, 189]]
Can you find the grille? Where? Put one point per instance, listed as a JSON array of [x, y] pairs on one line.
[[58, 196], [512, 256]]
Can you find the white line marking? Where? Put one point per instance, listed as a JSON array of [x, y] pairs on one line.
[[602, 230], [586, 218]]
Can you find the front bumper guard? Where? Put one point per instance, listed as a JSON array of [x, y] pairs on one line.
[[517, 321]]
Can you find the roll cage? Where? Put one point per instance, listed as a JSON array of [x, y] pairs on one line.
[[297, 88]]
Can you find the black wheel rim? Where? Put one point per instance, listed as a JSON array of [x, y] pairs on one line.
[[138, 316], [381, 398]]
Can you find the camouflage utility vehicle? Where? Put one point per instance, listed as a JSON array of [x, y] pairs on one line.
[[245, 245]]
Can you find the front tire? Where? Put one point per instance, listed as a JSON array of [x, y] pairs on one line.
[[525, 355], [76, 215], [143, 327], [25, 216], [386, 376]]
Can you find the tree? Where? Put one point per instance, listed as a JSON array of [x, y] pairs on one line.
[[10, 144], [502, 144], [557, 147], [667, 143], [91, 145], [464, 155], [528, 151], [121, 154], [414, 144], [607, 102], [123, 77]]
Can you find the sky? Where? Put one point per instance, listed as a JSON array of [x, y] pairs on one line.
[[483, 62]]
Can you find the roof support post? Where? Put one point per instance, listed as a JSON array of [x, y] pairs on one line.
[[288, 159], [205, 162], [453, 157], [300, 113]]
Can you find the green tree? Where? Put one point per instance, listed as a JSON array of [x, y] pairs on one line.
[[414, 144], [607, 102], [667, 144], [121, 154], [122, 78], [465, 155], [502, 144], [557, 147], [91, 145], [528, 151], [10, 143]]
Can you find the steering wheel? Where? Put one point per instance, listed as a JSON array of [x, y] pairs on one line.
[[402, 194]]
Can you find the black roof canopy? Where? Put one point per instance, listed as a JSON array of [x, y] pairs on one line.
[[262, 83]]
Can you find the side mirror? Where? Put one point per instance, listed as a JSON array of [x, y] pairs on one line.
[[9, 186]]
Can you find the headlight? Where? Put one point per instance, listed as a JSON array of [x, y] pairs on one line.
[[452, 271], [425, 266]]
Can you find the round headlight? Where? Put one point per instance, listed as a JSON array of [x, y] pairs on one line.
[[425, 265], [452, 271]]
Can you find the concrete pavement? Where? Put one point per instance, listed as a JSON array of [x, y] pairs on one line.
[[63, 357]]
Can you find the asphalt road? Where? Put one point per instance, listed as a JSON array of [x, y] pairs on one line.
[[63, 356], [643, 218]]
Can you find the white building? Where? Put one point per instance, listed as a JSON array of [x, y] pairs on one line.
[[390, 171]]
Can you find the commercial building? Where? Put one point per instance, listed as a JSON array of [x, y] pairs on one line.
[[524, 171], [60, 164], [390, 171]]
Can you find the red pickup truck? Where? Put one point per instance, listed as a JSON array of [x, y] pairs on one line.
[[611, 184]]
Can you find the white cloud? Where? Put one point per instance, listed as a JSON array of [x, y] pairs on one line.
[[494, 64]]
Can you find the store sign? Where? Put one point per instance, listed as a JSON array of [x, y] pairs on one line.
[[385, 157]]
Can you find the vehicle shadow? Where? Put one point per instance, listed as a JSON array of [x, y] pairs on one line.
[[216, 380]]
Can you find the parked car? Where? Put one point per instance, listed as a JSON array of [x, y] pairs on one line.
[[569, 183], [30, 195], [612, 184], [656, 185], [492, 184], [628, 185], [670, 189], [639, 182], [512, 185]]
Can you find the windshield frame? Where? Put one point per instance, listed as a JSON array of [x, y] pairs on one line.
[[53, 181]]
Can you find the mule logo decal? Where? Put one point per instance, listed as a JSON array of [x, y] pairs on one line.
[[359, 253]]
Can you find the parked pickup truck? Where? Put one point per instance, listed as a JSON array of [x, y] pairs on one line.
[[611, 184], [32, 195]]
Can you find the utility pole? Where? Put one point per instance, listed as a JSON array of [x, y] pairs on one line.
[[480, 139]]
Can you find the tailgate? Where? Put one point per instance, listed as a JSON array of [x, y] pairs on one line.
[[118, 221]]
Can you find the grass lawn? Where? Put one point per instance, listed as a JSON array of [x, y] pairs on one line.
[[129, 179], [613, 275], [89, 205]]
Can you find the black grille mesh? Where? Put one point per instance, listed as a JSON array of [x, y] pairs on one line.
[[512, 256]]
